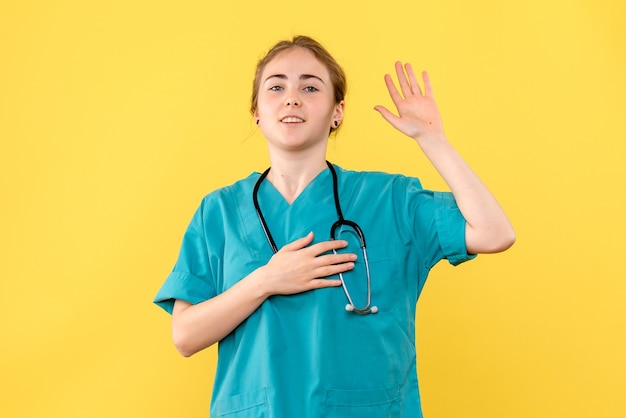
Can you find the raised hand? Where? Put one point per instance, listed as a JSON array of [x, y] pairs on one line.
[[418, 115], [488, 229]]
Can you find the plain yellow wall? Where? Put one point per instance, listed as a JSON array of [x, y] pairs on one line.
[[116, 117]]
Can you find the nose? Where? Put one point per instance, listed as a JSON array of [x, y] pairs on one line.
[[292, 100]]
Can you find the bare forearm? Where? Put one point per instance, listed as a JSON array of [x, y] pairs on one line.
[[488, 228], [196, 327], [297, 267]]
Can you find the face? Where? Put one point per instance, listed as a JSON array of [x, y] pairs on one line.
[[296, 107]]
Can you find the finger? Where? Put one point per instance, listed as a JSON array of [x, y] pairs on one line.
[[388, 116], [332, 259], [331, 270], [323, 283], [396, 97], [326, 246], [415, 85], [402, 80], [298, 244], [427, 85]]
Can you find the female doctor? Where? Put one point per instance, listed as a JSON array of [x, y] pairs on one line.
[[307, 325]]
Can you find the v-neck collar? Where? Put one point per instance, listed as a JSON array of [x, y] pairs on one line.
[[268, 188], [312, 210]]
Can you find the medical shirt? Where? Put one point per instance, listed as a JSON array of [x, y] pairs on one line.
[[304, 355]]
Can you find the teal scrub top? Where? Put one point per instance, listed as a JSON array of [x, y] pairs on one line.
[[304, 355]]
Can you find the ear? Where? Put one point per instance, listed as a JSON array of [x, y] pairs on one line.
[[338, 113]]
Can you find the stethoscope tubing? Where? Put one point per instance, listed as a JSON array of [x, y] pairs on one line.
[[255, 200], [351, 307]]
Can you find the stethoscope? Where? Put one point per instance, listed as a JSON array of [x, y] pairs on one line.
[[350, 307]]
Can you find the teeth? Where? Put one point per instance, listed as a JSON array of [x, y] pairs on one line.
[[292, 120]]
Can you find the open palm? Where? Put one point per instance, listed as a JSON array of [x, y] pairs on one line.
[[418, 115]]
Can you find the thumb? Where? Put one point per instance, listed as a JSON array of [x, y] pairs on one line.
[[393, 120], [386, 114]]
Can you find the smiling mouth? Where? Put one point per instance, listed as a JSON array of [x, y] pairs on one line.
[[292, 119]]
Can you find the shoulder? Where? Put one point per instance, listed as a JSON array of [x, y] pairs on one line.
[[234, 190], [377, 179], [225, 199]]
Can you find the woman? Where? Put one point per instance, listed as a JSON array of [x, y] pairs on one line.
[[258, 274]]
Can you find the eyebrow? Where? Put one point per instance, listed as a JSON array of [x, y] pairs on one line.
[[302, 77]]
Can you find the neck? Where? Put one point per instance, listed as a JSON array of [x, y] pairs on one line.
[[291, 176]]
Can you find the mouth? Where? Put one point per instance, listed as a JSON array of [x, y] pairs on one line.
[[292, 119]]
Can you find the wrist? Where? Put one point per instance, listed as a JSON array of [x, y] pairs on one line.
[[431, 140], [259, 283]]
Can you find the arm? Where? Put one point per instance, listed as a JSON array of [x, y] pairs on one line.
[[488, 229], [297, 267]]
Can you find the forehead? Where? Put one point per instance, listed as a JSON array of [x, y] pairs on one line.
[[295, 62]]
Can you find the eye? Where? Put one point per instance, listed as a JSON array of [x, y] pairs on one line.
[[276, 88], [310, 89]]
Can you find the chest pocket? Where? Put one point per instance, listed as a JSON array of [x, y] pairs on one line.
[[388, 278]]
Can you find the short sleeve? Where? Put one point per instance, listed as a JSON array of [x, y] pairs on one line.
[[191, 279], [450, 225], [437, 224]]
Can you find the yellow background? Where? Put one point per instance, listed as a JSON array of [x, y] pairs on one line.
[[116, 117]]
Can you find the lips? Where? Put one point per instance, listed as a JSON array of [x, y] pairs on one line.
[[292, 119]]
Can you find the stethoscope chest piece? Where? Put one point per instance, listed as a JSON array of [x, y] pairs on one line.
[[351, 307]]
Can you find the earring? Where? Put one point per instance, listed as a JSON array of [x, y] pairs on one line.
[[336, 124], [257, 121]]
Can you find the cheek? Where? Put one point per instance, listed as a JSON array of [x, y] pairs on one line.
[[265, 105], [260, 110], [263, 113]]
